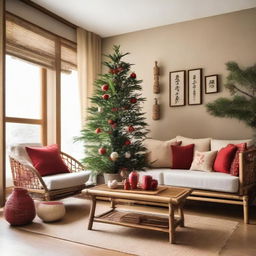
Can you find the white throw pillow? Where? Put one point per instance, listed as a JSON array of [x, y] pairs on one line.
[[218, 144], [159, 152], [200, 144], [203, 161]]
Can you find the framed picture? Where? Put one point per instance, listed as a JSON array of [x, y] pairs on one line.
[[195, 86], [177, 84], [211, 84]]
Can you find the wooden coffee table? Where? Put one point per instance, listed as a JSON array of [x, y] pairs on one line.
[[173, 197]]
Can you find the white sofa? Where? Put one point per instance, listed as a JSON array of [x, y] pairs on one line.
[[208, 186]]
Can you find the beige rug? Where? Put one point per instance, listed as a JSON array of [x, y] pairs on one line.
[[201, 236]]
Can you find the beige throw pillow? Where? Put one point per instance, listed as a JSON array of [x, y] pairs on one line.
[[200, 144], [159, 152], [203, 161]]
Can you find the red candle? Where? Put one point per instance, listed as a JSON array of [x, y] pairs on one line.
[[146, 182]]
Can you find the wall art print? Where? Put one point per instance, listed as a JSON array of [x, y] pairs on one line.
[[177, 85], [211, 84], [195, 86]]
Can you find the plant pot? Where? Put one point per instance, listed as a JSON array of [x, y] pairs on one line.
[[112, 176], [19, 208]]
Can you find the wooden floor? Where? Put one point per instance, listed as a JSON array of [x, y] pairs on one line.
[[14, 242]]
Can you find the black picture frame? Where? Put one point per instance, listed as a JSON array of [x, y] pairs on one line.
[[195, 86], [211, 84]]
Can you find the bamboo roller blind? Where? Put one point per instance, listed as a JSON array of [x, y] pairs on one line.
[[29, 42]]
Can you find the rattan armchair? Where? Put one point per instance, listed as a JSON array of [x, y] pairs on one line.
[[26, 176]]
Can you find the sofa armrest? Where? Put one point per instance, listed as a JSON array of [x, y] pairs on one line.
[[247, 170]]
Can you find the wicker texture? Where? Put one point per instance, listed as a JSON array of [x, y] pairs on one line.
[[28, 177]]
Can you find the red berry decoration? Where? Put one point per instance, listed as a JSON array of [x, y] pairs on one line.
[[133, 100], [105, 87], [111, 121], [102, 151], [130, 128], [98, 130], [127, 142], [133, 75], [105, 96]]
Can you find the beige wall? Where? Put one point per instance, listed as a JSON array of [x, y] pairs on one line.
[[206, 43]]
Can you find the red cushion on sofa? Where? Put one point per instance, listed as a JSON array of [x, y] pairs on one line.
[[234, 169], [182, 156], [224, 159], [47, 160]]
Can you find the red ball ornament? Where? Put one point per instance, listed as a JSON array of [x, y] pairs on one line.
[[130, 128], [114, 126], [102, 151], [105, 96], [133, 75], [133, 100], [105, 87], [127, 142], [98, 130], [111, 121]]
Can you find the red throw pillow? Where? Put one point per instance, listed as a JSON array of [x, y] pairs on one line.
[[47, 160], [234, 169], [182, 156], [224, 159]]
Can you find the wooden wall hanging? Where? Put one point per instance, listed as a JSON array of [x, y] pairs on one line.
[[156, 86], [156, 110]]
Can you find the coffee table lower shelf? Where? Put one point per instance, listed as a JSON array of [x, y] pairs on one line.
[[137, 220]]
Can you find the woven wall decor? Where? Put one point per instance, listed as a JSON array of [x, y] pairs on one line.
[[156, 86], [156, 111]]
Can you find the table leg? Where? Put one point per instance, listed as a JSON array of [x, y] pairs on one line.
[[113, 205], [92, 212], [181, 214], [171, 223]]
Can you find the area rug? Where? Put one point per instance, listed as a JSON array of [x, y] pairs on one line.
[[201, 236]]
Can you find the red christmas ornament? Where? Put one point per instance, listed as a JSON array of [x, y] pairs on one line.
[[98, 130], [105, 87], [130, 128], [127, 142], [111, 121], [105, 96], [133, 100], [133, 75], [114, 109], [102, 151], [114, 126]]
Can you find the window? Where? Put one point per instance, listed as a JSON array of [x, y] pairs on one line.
[[24, 118], [70, 115]]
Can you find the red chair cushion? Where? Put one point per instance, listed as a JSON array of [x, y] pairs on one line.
[[234, 169], [224, 159], [47, 160], [182, 156]]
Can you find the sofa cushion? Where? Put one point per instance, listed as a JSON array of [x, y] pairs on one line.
[[200, 144], [159, 152], [224, 159], [47, 160], [234, 169], [182, 156], [203, 161], [215, 181], [218, 144], [65, 180]]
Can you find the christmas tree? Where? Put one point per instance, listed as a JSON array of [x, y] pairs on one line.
[[116, 127], [241, 84]]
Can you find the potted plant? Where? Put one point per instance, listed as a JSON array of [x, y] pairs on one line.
[[115, 128]]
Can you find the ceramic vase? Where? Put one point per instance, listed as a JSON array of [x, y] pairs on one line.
[[19, 208], [133, 179]]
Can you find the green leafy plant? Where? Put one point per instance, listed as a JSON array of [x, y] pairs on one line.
[[241, 84], [116, 127]]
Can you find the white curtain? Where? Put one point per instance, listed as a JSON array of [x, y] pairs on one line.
[[88, 65]]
